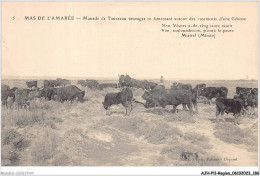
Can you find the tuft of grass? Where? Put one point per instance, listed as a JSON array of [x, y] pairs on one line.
[[61, 159], [198, 139], [230, 133], [158, 133], [13, 138], [23, 118], [44, 149], [153, 132], [12, 144], [233, 134], [182, 116]]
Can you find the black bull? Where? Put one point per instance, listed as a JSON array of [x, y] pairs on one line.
[[213, 92], [163, 97], [70, 93]]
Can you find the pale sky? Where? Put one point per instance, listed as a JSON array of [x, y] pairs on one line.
[[107, 48]]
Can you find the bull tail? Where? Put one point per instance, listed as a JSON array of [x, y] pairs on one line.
[[138, 102]]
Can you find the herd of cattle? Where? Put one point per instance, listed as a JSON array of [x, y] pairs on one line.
[[154, 95]]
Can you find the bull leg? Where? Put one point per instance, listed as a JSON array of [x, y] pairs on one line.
[[217, 113], [125, 111], [109, 113], [209, 101], [131, 104], [190, 108], [184, 107], [195, 106], [173, 109], [236, 119], [5, 105], [222, 114]]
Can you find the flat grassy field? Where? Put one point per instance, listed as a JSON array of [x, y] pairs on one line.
[[81, 134]]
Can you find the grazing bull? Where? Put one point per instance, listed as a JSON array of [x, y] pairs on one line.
[[125, 97], [243, 90], [63, 82], [51, 83], [152, 85], [69, 93], [165, 97], [159, 87], [213, 92], [180, 86], [48, 93], [23, 96], [229, 106], [92, 84], [83, 83], [31, 84], [107, 85]]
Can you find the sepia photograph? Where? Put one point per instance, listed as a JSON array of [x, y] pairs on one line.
[[129, 84]]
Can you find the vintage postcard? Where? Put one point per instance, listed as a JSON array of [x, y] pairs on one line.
[[129, 84]]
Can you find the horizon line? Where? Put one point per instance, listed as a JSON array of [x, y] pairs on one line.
[[101, 77]]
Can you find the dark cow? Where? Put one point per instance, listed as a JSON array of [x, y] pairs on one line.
[[152, 85], [125, 81], [213, 92], [229, 106], [165, 97], [63, 82], [243, 101], [51, 83], [31, 84], [146, 85], [92, 84], [23, 96], [107, 85], [69, 93], [48, 93], [134, 82], [243, 90], [181, 86], [252, 98], [5, 92], [83, 83], [125, 97], [251, 94], [159, 87], [194, 92], [200, 86]]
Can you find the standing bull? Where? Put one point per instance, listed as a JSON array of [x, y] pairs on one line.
[[125, 97], [31, 84], [69, 93], [63, 82], [163, 97], [180, 86], [213, 92]]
